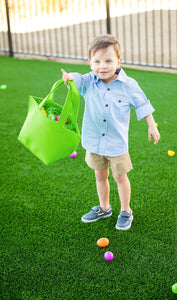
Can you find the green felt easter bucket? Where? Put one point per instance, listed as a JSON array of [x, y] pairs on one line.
[[46, 138]]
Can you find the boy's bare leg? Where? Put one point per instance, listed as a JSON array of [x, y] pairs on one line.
[[103, 189], [124, 191]]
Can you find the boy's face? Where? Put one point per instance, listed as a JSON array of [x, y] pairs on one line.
[[104, 63]]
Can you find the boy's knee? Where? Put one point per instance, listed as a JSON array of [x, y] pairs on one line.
[[102, 175], [119, 178]]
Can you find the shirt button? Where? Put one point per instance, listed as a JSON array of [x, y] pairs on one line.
[[106, 105], [119, 101], [108, 89], [103, 134], [104, 120]]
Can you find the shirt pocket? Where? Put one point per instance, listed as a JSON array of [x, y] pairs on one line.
[[120, 104]]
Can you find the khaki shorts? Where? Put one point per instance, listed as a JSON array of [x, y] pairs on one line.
[[118, 164]]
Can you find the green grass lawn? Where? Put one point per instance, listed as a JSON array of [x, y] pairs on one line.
[[46, 252]]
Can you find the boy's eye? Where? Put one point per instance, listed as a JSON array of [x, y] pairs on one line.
[[108, 61], [96, 61]]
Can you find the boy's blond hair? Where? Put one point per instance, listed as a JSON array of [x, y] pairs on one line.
[[103, 41]]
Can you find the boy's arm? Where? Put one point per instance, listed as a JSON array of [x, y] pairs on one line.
[[82, 81], [152, 131], [66, 76]]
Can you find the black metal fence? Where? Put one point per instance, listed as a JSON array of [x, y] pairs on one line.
[[147, 30]]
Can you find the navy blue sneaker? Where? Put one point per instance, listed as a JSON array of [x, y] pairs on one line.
[[124, 220], [96, 214]]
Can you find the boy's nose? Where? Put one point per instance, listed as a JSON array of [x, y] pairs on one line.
[[103, 64]]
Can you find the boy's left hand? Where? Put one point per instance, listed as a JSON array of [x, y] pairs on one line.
[[153, 131]]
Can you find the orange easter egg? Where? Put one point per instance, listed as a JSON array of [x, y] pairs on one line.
[[103, 242]]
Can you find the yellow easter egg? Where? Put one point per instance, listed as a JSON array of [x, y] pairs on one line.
[[156, 125], [44, 112], [171, 153]]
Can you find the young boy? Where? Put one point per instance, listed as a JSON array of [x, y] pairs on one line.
[[109, 94]]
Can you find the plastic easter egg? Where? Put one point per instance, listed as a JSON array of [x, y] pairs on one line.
[[108, 255], [103, 242], [43, 111], [74, 154], [171, 153], [57, 117], [156, 125], [174, 288], [51, 116], [3, 87]]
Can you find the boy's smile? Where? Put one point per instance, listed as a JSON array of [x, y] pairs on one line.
[[104, 63]]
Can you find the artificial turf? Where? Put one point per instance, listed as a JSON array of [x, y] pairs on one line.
[[46, 252]]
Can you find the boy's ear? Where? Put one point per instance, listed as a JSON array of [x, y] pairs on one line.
[[119, 61], [89, 61]]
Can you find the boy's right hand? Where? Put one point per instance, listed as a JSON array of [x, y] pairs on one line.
[[66, 76]]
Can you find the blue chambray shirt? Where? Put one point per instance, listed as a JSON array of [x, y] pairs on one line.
[[107, 111]]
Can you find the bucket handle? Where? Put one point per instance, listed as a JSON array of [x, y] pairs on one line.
[[72, 101]]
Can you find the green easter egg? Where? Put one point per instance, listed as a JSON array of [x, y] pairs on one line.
[[174, 288], [3, 87]]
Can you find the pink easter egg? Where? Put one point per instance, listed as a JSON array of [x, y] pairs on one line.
[[57, 117], [74, 154]]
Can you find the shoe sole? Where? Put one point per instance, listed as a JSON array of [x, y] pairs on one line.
[[127, 227], [90, 221]]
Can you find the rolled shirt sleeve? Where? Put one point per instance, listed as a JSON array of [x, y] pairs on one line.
[[141, 104], [144, 110]]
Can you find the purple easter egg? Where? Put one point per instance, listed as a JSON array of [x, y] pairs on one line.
[[108, 255]]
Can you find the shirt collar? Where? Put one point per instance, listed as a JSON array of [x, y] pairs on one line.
[[121, 76]]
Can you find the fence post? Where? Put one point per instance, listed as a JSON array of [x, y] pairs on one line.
[[9, 31], [108, 19]]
